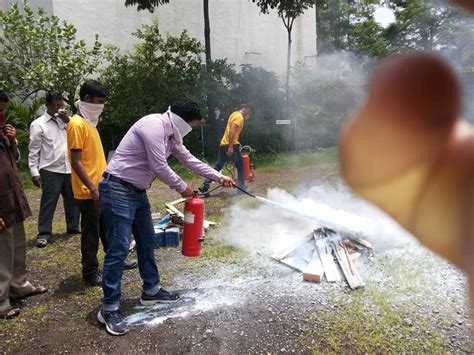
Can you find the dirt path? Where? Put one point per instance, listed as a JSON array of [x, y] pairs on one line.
[[238, 301]]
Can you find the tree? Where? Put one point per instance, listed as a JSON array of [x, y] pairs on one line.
[[419, 25], [424, 25], [159, 71], [151, 4], [288, 11], [41, 53], [146, 4]]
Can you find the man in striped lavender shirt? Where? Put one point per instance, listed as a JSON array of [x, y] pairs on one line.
[[140, 158]]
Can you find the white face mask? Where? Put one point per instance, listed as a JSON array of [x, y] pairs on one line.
[[90, 112], [180, 126]]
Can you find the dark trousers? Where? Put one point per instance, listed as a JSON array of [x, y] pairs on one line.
[[222, 159], [53, 185], [91, 233]]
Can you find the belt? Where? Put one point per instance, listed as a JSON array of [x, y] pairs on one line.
[[118, 180]]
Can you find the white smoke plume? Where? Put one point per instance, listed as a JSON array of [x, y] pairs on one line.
[[268, 229]]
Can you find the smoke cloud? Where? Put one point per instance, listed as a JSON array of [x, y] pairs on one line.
[[261, 228]]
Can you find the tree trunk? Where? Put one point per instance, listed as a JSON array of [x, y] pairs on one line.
[[207, 44], [288, 69], [207, 31], [287, 87]]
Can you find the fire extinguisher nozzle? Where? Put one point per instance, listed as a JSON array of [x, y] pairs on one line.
[[245, 191]]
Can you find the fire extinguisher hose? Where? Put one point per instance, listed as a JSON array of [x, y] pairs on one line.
[[206, 194]]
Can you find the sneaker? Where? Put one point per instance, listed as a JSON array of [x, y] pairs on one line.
[[130, 264], [203, 190], [113, 322], [94, 280], [162, 296], [133, 244]]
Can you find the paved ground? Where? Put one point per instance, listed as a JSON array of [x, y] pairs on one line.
[[236, 300]]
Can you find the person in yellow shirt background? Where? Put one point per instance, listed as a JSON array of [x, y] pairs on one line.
[[88, 164], [230, 147]]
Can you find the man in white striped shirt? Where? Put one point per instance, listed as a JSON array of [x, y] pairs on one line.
[[50, 168]]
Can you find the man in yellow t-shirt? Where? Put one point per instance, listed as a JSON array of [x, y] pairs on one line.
[[88, 164], [230, 146]]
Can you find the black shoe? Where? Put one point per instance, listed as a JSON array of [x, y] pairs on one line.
[[113, 322], [73, 231], [203, 190], [130, 264], [93, 280], [162, 296]]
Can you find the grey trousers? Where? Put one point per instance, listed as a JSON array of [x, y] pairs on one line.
[[53, 185], [13, 265]]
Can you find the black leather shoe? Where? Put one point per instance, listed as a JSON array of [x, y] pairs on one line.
[[130, 264], [94, 280]]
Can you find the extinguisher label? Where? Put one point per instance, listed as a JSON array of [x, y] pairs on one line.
[[188, 218]]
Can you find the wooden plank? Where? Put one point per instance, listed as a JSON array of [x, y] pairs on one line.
[[296, 264], [283, 254], [174, 210], [364, 243], [348, 268], [330, 268], [314, 271], [175, 202]]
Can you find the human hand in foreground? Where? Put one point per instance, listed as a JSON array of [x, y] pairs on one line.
[[189, 192], [230, 150], [226, 181], [10, 132], [36, 180], [406, 150], [63, 116], [95, 197], [2, 225]]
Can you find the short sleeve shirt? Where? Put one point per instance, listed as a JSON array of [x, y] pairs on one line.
[[82, 136], [236, 118]]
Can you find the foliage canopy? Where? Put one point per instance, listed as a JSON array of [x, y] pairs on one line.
[[41, 53]]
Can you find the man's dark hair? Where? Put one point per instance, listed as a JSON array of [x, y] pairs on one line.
[[187, 110], [53, 95], [246, 105], [3, 96], [92, 88]]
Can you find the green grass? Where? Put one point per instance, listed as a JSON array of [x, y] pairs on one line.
[[320, 157], [323, 158], [370, 321]]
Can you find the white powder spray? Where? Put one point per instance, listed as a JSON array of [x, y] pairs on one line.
[[272, 227]]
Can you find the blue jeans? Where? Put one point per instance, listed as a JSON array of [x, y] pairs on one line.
[[222, 159], [126, 211]]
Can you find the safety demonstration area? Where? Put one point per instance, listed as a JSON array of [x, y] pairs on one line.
[[236, 177], [323, 254]]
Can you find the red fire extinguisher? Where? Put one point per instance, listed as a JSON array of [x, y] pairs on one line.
[[246, 159], [193, 231]]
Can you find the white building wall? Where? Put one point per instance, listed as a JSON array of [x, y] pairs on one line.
[[238, 31]]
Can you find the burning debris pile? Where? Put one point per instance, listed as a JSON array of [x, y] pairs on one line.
[[326, 253]]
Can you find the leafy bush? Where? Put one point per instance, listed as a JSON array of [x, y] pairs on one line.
[[20, 116], [40, 53]]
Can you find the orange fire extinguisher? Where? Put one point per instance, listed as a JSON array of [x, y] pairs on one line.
[[193, 231]]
